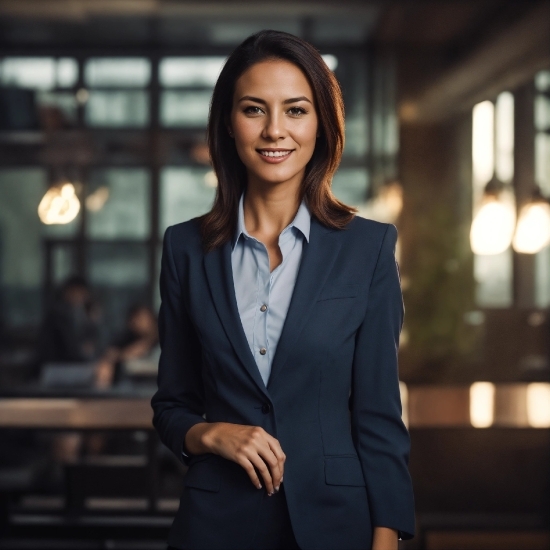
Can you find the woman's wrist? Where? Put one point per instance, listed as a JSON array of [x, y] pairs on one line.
[[384, 538], [198, 439]]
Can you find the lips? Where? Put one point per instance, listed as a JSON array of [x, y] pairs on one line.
[[274, 156]]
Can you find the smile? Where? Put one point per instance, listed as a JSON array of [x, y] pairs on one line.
[[274, 154]]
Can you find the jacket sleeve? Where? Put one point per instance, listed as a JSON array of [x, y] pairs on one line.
[[178, 403], [381, 438]]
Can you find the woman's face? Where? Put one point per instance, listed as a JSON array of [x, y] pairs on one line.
[[274, 122]]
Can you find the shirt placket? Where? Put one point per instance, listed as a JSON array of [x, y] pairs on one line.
[[261, 344]]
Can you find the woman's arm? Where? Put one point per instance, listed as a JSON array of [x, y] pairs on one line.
[[380, 436], [384, 539], [178, 403]]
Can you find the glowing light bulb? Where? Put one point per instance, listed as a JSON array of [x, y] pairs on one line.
[[533, 229], [493, 227], [59, 205]]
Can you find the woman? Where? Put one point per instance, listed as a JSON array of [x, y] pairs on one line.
[[279, 327]]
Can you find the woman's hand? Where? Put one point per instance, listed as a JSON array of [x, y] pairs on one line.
[[384, 538], [249, 446]]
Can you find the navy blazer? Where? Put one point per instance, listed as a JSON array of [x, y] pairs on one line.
[[332, 399]]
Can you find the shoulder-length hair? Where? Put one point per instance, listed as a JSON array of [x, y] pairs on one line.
[[219, 225]]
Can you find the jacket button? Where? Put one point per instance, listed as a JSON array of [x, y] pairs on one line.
[[266, 407]]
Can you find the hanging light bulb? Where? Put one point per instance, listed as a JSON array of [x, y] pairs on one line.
[[60, 205], [533, 228], [493, 226]]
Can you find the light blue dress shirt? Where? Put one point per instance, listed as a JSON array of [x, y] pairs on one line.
[[263, 297]]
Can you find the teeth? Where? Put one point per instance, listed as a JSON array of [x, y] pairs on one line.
[[275, 153]]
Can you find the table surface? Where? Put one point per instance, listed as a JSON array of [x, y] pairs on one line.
[[105, 413]]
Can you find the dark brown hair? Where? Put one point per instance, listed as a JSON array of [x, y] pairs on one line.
[[218, 226]]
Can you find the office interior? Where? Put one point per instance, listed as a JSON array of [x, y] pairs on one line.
[[103, 107]]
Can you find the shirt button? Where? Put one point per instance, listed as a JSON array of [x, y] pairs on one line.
[[263, 308], [263, 351]]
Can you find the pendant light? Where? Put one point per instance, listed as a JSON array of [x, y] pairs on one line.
[[533, 228], [60, 205], [493, 226]]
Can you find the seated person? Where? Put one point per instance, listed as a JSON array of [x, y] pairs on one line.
[[137, 341]]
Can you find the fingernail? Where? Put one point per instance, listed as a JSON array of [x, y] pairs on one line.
[[259, 486], [270, 494], [281, 480], [276, 489]]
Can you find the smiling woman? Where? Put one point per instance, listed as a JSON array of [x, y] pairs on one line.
[[279, 328]]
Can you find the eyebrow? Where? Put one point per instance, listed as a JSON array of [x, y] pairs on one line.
[[285, 102]]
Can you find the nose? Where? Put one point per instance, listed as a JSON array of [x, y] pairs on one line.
[[274, 127]]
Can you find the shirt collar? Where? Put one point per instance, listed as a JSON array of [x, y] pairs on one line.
[[302, 222]]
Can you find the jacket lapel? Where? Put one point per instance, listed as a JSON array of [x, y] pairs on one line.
[[219, 274], [318, 257]]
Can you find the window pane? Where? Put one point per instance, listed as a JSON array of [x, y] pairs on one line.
[[117, 109], [67, 72], [43, 73], [21, 252], [542, 162], [542, 81], [190, 71], [542, 278], [122, 71], [117, 203], [184, 108], [119, 276], [542, 112], [493, 275], [184, 194], [350, 185], [63, 263], [58, 110]]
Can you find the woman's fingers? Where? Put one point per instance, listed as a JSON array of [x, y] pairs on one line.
[[247, 465], [251, 447]]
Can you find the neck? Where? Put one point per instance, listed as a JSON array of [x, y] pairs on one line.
[[268, 210]]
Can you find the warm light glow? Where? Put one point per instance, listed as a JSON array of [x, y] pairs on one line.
[[210, 179], [538, 405], [482, 404], [386, 205], [59, 205], [533, 229], [404, 392], [493, 227], [483, 142], [96, 201]]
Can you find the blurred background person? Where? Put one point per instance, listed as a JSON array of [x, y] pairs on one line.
[[71, 331], [139, 340]]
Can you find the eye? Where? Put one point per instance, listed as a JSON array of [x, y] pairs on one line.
[[252, 110], [297, 111]]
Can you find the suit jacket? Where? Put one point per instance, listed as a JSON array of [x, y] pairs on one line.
[[332, 399]]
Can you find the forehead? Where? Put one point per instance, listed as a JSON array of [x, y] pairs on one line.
[[273, 79]]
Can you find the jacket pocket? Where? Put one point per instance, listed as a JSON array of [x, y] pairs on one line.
[[343, 470], [339, 291], [203, 474]]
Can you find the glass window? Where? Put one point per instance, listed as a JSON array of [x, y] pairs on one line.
[[62, 107], [42, 73], [542, 179], [493, 276], [190, 71], [63, 262], [185, 108], [493, 153], [118, 203], [21, 251], [184, 194], [119, 275], [350, 185], [117, 72], [117, 109]]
